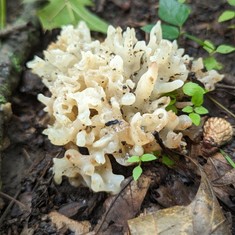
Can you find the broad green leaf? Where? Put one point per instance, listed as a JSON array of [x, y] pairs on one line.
[[147, 28], [196, 119], [181, 1], [211, 63], [228, 158], [62, 12], [173, 12], [208, 46], [170, 32], [147, 157], [167, 161], [231, 2], [172, 108], [137, 171], [225, 49], [197, 98], [190, 88], [226, 15], [201, 110], [134, 159], [188, 109]]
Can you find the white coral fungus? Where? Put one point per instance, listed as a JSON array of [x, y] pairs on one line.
[[108, 97]]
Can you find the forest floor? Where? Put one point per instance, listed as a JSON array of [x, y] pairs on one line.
[[29, 194]]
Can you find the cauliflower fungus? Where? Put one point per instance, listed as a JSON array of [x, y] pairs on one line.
[[108, 98]]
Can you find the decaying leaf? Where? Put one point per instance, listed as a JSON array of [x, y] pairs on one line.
[[122, 207], [202, 216], [222, 176], [61, 221]]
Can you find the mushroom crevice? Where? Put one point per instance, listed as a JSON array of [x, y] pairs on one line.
[[109, 97]]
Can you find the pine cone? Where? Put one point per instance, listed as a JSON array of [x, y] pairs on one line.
[[217, 131]]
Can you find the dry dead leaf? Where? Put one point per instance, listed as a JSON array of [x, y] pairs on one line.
[[221, 176], [61, 221], [122, 207], [202, 216]]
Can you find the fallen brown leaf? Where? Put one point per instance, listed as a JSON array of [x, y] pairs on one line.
[[222, 177], [122, 207], [202, 216], [61, 222]]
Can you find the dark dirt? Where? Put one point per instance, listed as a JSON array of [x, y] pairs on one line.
[[27, 161]]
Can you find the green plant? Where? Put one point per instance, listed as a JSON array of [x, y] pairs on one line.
[[174, 14], [62, 12], [137, 171], [2, 14], [228, 14], [228, 158], [196, 93]]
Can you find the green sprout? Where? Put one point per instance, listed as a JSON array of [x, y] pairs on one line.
[[228, 158], [196, 93], [228, 14], [2, 14], [137, 171]]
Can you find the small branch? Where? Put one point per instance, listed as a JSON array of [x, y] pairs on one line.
[[225, 86], [221, 106], [15, 201]]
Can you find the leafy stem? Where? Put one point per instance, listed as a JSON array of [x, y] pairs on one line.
[[137, 171], [2, 14]]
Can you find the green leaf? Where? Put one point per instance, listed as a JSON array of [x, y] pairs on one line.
[[231, 2], [173, 12], [226, 15], [208, 46], [147, 157], [62, 12], [137, 171], [228, 158], [211, 63], [201, 110], [181, 1], [167, 161], [196, 119], [225, 49], [134, 159], [191, 89], [170, 32], [172, 108], [197, 99], [147, 28], [188, 109]]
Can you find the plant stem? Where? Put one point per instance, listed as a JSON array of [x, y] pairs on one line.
[[2, 14], [221, 106]]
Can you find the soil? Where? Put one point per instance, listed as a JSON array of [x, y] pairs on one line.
[[29, 193]]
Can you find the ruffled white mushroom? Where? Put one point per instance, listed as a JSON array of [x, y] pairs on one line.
[[110, 97]]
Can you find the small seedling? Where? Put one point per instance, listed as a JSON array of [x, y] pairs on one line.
[[228, 158], [137, 171], [228, 14], [196, 93]]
